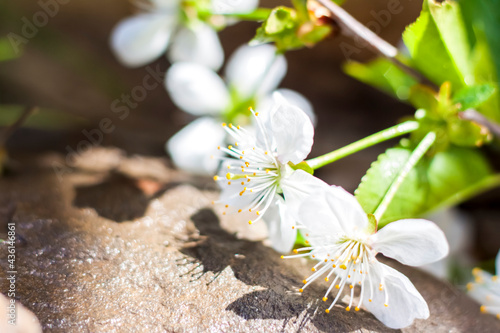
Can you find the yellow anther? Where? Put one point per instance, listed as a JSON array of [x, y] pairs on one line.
[[334, 265], [282, 257], [266, 152], [337, 286], [230, 125], [313, 256], [498, 315], [239, 210], [241, 157], [470, 285], [494, 278], [229, 167], [326, 260], [295, 251], [229, 147], [351, 286], [380, 288], [229, 175], [324, 299], [267, 170], [369, 300], [304, 281], [250, 222], [216, 178], [238, 127], [348, 308], [223, 213], [213, 202], [224, 124], [255, 174], [483, 309], [356, 309], [228, 183], [344, 267], [218, 147], [243, 152], [256, 113], [313, 269], [250, 210], [307, 242], [247, 164], [301, 290], [327, 311], [348, 276], [242, 183], [386, 305], [360, 272], [293, 227], [257, 212], [227, 206], [476, 271], [326, 279], [236, 144]]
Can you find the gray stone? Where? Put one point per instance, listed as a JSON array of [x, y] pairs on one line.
[[125, 249]]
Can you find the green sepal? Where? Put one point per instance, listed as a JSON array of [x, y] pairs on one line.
[[302, 166], [372, 224]]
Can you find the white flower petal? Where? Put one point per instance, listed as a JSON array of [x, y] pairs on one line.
[[234, 6], [255, 71], [141, 39], [298, 186], [171, 5], [332, 211], [292, 130], [197, 89], [199, 44], [279, 225], [191, 148], [413, 242], [292, 97], [405, 302]]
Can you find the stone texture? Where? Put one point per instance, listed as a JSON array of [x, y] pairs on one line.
[[128, 249]]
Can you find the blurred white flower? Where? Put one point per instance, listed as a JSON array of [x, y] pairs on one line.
[[161, 25], [486, 289], [259, 176], [252, 74], [346, 242]]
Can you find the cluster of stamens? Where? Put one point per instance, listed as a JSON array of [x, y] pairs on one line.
[[488, 288], [349, 261], [252, 170]]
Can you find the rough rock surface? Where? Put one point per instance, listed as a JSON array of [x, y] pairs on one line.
[[136, 248]]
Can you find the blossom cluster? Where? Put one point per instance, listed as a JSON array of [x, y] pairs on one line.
[[254, 137]]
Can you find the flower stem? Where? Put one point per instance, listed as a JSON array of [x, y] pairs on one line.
[[352, 28], [387, 134], [260, 14], [415, 157]]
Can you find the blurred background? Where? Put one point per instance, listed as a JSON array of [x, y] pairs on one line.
[[68, 70]]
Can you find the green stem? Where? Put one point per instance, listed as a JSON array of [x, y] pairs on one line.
[[260, 14], [387, 134], [415, 157], [302, 11]]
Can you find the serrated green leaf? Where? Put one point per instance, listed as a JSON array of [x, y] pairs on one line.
[[454, 35], [474, 96], [382, 74], [434, 182], [429, 54]]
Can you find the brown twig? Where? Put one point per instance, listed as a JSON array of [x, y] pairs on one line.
[[477, 117], [7, 133], [352, 28]]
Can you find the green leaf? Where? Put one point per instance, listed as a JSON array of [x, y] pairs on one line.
[[428, 52], [382, 74], [433, 183], [474, 96]]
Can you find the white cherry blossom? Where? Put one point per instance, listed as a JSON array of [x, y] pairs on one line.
[[259, 178], [486, 289], [252, 75], [344, 240], [144, 37]]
